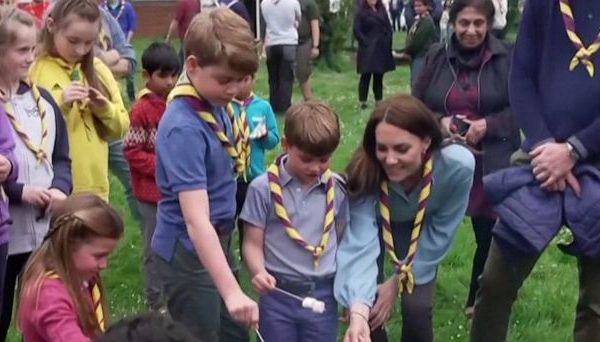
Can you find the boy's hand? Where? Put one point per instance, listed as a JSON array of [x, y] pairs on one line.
[[5, 168], [74, 92], [242, 309], [263, 282], [36, 195]]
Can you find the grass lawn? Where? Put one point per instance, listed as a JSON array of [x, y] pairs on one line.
[[545, 313]]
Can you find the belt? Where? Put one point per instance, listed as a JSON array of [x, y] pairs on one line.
[[302, 287]]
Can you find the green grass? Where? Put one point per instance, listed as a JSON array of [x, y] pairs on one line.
[[545, 311]]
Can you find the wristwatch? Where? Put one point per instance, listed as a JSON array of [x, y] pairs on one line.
[[572, 152]]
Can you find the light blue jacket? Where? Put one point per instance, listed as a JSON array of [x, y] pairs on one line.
[[356, 277], [259, 109]]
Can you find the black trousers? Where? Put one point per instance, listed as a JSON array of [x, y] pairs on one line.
[[363, 87], [14, 266], [240, 198], [417, 316], [280, 67], [482, 227]]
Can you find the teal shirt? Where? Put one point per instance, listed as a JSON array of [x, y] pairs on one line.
[[258, 109], [356, 277]]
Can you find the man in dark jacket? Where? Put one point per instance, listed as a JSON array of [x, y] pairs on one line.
[[555, 95]]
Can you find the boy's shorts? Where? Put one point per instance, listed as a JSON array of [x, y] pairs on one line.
[[303, 61]]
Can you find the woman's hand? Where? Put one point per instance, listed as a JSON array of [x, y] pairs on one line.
[[386, 296], [358, 330], [74, 92], [476, 132]]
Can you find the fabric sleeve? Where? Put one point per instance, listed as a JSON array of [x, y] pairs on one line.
[[7, 147], [56, 316], [185, 168], [500, 124], [113, 117], [271, 140], [423, 80], [524, 98], [119, 43], [356, 275], [444, 222], [61, 161], [359, 34], [139, 137], [257, 204], [312, 12], [425, 30], [131, 17]]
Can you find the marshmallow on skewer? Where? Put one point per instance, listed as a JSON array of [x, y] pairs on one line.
[[315, 305]]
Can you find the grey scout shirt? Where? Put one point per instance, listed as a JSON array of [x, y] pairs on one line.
[[306, 210]]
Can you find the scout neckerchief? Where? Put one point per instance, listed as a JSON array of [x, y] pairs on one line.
[[242, 140], [281, 212], [584, 54], [38, 151], [121, 9], [185, 88], [404, 268], [96, 300]]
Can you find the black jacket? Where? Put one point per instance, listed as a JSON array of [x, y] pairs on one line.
[[373, 32], [435, 80]]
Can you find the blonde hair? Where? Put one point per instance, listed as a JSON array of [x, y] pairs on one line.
[[10, 17], [84, 9], [313, 127], [79, 219], [221, 36]]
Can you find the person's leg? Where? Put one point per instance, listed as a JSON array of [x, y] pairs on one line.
[[14, 266], [378, 87], [130, 85], [286, 75], [303, 68], [152, 287], [3, 260], [587, 321], [230, 330], [363, 88], [278, 317], [120, 168], [190, 293], [379, 335], [498, 287], [417, 314], [273, 60], [416, 65], [319, 327], [482, 226]]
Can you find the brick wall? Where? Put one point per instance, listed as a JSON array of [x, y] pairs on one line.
[[154, 17]]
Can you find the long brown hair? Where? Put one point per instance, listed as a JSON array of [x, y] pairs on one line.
[[79, 219], [364, 172], [84, 9]]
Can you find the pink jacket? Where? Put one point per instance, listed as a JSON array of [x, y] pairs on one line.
[[52, 317]]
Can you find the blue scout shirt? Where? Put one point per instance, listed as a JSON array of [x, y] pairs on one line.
[[190, 157], [258, 109], [356, 278], [126, 18], [306, 209]]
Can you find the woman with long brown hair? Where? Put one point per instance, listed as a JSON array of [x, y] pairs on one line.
[[409, 190]]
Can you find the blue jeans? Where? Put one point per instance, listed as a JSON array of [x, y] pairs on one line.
[[120, 168], [283, 318]]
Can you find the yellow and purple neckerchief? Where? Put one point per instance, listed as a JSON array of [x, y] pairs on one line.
[[96, 300], [583, 54], [185, 89], [38, 151], [328, 222], [242, 139], [403, 268]]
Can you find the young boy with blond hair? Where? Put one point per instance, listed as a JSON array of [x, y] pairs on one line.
[[294, 216], [195, 162]]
